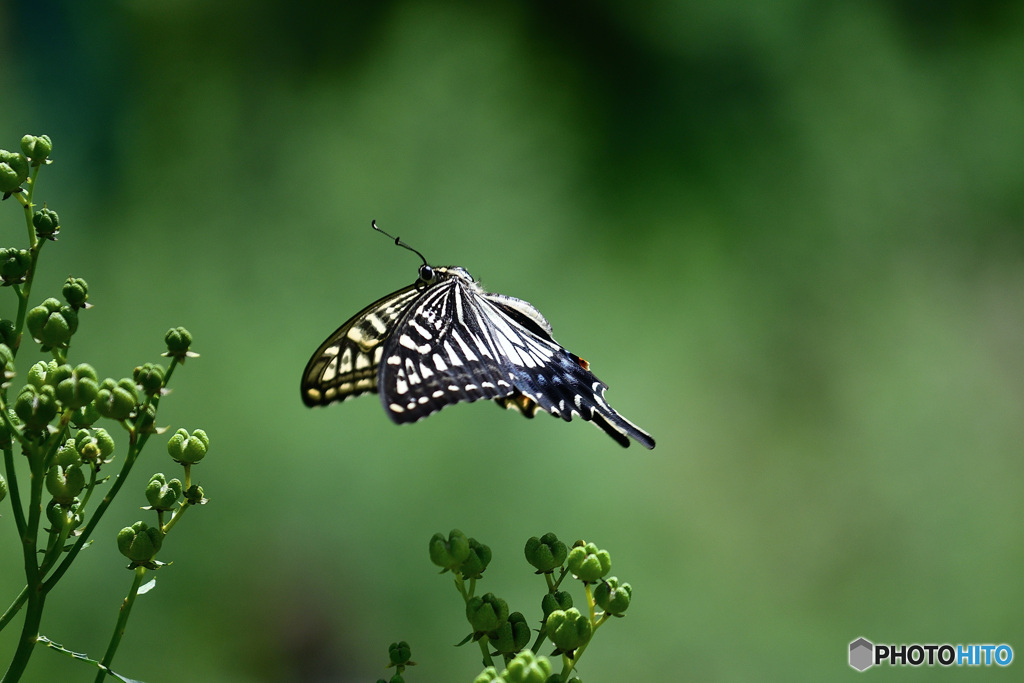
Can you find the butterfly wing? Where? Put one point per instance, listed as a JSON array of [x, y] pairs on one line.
[[547, 375], [436, 356], [346, 363], [459, 343]]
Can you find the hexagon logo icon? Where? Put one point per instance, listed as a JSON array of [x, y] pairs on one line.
[[861, 654]]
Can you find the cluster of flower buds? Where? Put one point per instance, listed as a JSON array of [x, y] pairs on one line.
[[460, 554], [525, 667]]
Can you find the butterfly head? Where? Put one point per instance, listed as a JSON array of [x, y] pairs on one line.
[[430, 275]]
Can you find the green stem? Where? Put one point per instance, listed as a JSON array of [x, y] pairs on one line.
[[89, 488], [35, 246], [15, 490], [483, 649], [460, 584], [567, 667], [175, 517], [24, 291], [36, 592], [590, 602], [552, 587], [29, 636], [13, 608], [57, 541], [122, 621], [170, 371]]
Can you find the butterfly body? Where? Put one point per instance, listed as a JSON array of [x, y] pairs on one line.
[[445, 340]]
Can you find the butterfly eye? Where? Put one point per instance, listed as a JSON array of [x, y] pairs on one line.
[[426, 273]]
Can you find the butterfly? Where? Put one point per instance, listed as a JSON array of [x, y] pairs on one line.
[[443, 340]]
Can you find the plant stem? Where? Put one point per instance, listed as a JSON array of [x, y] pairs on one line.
[[29, 635], [175, 517], [122, 621], [15, 490], [14, 607]]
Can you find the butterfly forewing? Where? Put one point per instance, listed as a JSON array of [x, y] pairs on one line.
[[437, 356], [346, 363]]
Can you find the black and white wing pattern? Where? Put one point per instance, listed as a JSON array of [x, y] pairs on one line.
[[444, 340], [346, 363]]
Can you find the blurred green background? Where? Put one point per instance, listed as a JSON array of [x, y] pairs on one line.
[[788, 235]]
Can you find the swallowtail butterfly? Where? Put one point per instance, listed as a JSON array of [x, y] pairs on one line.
[[443, 340]]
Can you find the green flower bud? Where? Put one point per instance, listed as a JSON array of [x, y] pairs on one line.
[[117, 400], [399, 653], [559, 600], [46, 223], [194, 495], [76, 292], [450, 553], [85, 416], [186, 449], [95, 447], [51, 323], [612, 597], [3, 487], [139, 542], [63, 516], [588, 563], [528, 668], [178, 341], [40, 372], [14, 265], [568, 629], [89, 452], [545, 553], [163, 494], [57, 374], [36, 407], [150, 377], [64, 483], [13, 171], [6, 355], [486, 613], [36, 148], [488, 675], [7, 332], [78, 387], [475, 564], [512, 636], [67, 454]]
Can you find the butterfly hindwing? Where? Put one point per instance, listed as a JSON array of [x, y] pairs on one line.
[[555, 379]]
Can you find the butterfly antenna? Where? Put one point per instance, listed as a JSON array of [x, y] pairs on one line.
[[398, 241]]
